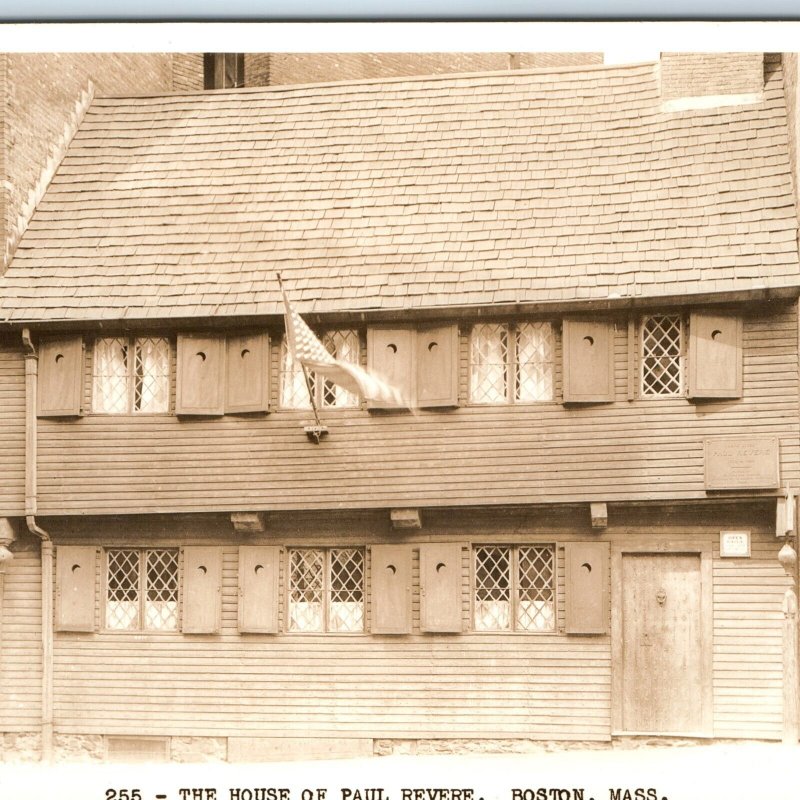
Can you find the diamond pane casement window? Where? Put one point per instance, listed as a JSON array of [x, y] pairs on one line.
[[662, 355], [512, 363], [141, 590], [344, 345], [130, 375], [326, 590], [514, 588]]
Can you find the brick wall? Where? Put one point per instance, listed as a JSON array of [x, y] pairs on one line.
[[5, 184], [187, 72], [702, 74], [325, 67], [257, 69], [791, 87], [38, 93]]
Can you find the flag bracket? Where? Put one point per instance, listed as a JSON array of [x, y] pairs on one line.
[[316, 433]]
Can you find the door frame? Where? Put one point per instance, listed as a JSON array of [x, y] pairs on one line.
[[652, 545]]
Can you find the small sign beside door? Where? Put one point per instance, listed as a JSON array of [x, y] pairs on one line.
[[734, 544]]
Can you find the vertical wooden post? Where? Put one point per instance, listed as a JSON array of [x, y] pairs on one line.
[[2, 590], [631, 358], [47, 651], [790, 670]]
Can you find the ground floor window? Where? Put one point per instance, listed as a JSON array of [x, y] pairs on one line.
[[141, 590], [514, 588], [326, 590]]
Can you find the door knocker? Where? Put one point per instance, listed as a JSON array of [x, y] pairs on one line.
[[661, 597]]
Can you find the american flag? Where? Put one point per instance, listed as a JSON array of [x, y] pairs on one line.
[[309, 351]]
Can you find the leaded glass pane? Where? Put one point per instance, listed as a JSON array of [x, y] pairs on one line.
[[151, 375], [306, 569], [346, 606], [161, 591], [492, 588], [535, 589], [534, 362], [344, 346], [661, 356], [110, 381], [122, 592], [294, 392], [488, 379]]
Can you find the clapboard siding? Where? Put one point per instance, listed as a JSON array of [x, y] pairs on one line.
[[417, 685], [541, 686], [648, 448], [21, 643], [12, 428], [748, 644]]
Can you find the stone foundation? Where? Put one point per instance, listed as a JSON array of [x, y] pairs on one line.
[[77, 748], [385, 747], [393, 747], [20, 747], [198, 749]]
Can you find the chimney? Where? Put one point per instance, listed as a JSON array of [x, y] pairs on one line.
[[708, 80]]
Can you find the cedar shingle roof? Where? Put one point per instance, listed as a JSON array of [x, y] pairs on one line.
[[458, 190]]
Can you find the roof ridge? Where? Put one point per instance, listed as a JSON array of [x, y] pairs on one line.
[[298, 87]]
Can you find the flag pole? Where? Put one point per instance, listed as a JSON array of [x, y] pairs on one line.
[[303, 366]]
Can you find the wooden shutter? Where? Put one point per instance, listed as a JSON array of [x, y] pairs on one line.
[[60, 384], [202, 589], [258, 589], [391, 588], [715, 355], [440, 576], [75, 588], [390, 353], [587, 587], [588, 361], [200, 375], [247, 380], [437, 366]]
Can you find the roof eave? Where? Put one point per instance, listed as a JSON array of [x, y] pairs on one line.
[[613, 305]]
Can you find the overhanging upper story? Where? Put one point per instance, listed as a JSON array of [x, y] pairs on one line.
[[485, 214]]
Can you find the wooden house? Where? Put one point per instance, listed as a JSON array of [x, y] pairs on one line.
[[588, 280]]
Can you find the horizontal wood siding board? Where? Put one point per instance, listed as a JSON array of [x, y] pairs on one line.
[[21, 643], [546, 686], [392, 702], [417, 685], [12, 428], [748, 641], [627, 450]]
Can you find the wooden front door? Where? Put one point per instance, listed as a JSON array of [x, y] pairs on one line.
[[664, 653]]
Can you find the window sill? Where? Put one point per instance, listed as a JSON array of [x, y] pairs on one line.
[[516, 633], [128, 414], [508, 404]]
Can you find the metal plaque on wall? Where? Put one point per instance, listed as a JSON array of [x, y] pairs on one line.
[[742, 462]]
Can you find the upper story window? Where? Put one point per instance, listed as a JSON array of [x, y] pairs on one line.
[[223, 70], [342, 344], [514, 588], [326, 590], [662, 355], [141, 590], [512, 363], [130, 374]]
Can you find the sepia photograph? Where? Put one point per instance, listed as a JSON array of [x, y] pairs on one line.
[[399, 406]]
